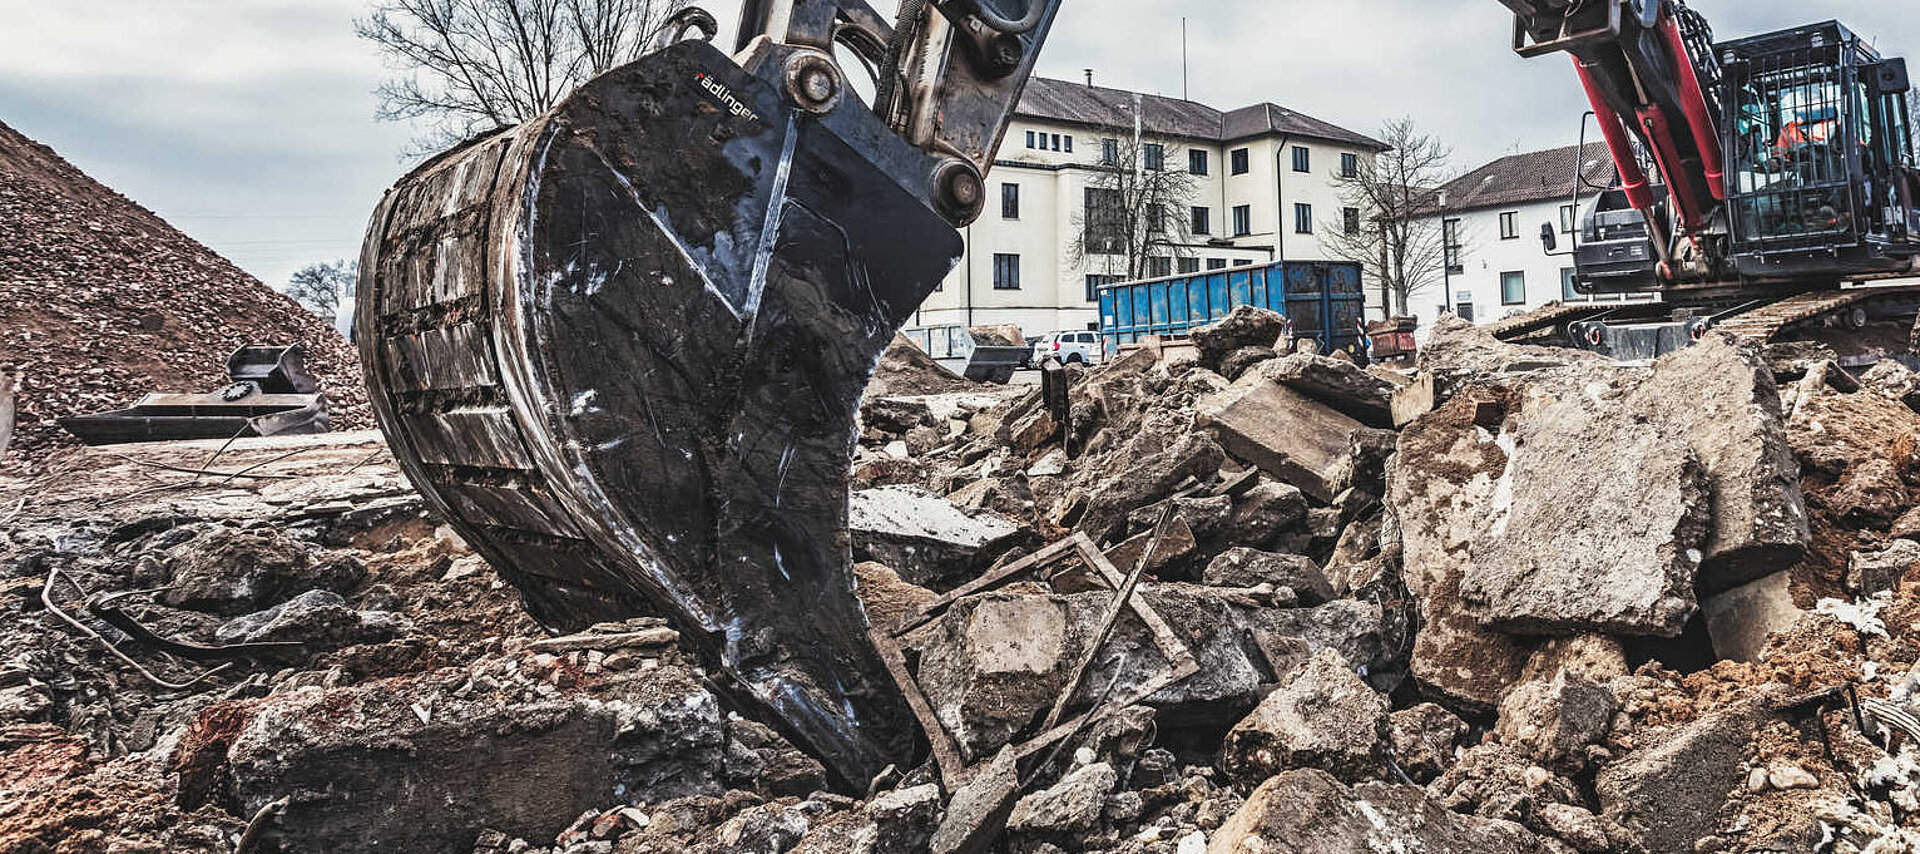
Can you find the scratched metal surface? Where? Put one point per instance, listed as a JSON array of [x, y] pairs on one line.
[[622, 348]]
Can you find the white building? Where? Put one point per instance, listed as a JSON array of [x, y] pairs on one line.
[[1497, 263], [1264, 179]]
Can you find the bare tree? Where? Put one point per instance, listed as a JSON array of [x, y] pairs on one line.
[[324, 287], [1399, 241], [1135, 210], [467, 66]]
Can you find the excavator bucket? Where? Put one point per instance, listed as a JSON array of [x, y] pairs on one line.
[[622, 347]]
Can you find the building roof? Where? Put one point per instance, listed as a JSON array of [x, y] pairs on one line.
[[1098, 106], [1535, 176]]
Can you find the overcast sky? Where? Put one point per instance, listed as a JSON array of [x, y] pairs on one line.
[[249, 123]]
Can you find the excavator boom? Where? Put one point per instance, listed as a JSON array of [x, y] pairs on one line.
[[622, 346]]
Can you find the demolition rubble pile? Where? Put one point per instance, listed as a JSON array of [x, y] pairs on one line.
[[101, 301], [1524, 600]]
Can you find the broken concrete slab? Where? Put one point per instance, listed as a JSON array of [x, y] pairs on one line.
[[317, 618], [1244, 567], [1596, 523], [923, 537], [1325, 716], [1147, 478], [1440, 490], [978, 812], [1422, 739], [1719, 397], [233, 571], [412, 765], [1284, 432], [1310, 812], [1237, 363], [1553, 721], [991, 663], [1340, 384], [1459, 354], [1671, 793]]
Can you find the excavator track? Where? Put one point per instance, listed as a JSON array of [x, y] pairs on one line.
[[1762, 325]]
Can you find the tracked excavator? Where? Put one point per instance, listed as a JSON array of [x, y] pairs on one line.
[[622, 347], [1761, 182]]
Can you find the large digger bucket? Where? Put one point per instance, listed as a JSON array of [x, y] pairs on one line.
[[621, 348]]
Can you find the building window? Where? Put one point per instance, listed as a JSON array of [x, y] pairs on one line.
[[1156, 218], [1105, 221], [1056, 142], [1202, 221], [1216, 263], [1464, 311], [1189, 265], [1006, 272], [1156, 157], [1009, 201], [1197, 162], [1569, 217], [1450, 237], [1095, 283], [1068, 139], [1240, 161], [1302, 159], [1242, 220], [1513, 288], [1510, 225], [1159, 268], [1349, 165], [1302, 218], [1567, 291], [1030, 139], [1109, 152], [1350, 220]]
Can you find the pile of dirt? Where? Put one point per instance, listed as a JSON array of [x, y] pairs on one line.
[[102, 301], [905, 370]]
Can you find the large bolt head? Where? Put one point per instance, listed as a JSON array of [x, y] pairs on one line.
[[813, 83]]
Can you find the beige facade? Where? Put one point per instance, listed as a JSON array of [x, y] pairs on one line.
[[1020, 266]]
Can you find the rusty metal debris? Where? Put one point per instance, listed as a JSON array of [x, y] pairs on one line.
[[270, 393], [106, 607], [954, 768], [46, 599]]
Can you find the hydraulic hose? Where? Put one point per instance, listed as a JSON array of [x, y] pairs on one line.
[[1036, 9]]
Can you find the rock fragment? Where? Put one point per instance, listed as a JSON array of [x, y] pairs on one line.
[[1326, 717], [1310, 812], [1069, 806]]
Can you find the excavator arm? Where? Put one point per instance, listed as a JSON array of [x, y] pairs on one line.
[[1650, 73], [622, 346]]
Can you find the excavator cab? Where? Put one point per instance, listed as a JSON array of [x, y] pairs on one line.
[[1820, 153]]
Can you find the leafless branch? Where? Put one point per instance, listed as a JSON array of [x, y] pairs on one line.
[[467, 66], [1400, 242], [1132, 215]]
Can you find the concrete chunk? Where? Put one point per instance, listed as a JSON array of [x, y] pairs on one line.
[[1326, 717], [922, 536], [1342, 385], [1719, 397], [1597, 522], [1285, 433], [1310, 812], [1440, 490], [1243, 567]]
